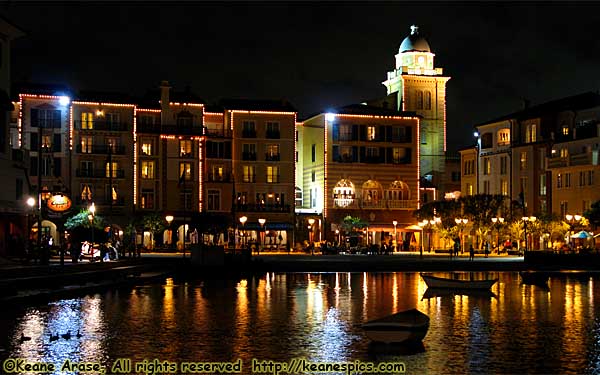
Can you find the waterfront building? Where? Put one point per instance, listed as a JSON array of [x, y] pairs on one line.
[[360, 161]]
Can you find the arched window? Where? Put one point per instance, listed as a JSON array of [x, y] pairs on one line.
[[398, 191], [372, 193], [343, 193]]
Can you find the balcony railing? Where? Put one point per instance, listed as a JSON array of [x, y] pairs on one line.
[[247, 133], [99, 173], [584, 158], [170, 129], [285, 208], [218, 133], [248, 155], [346, 202], [219, 178], [272, 134], [101, 149], [102, 125], [272, 157]]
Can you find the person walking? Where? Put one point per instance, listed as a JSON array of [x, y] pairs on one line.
[[471, 252], [487, 248]]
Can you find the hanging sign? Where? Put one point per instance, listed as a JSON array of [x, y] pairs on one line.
[[59, 203]]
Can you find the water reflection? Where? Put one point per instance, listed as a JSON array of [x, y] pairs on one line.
[[318, 316]]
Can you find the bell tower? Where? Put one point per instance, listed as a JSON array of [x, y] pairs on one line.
[[416, 85]]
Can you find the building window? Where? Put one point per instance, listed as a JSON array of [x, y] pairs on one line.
[[428, 100], [400, 155], [524, 190], [86, 192], [184, 119], [531, 133], [248, 129], [147, 147], [371, 133], [503, 165], [469, 189], [564, 208], [272, 130], [581, 178], [486, 187], [213, 200], [185, 199], [147, 169], [45, 118], [272, 174], [147, 199], [111, 193], [272, 152], [523, 160], [504, 187], [585, 205], [87, 120], [543, 184], [86, 145], [567, 180], [46, 142], [185, 171], [487, 140], [419, 99], [185, 148], [112, 169], [248, 151], [87, 168], [298, 196], [565, 129], [487, 166], [313, 176], [590, 178], [564, 152], [559, 180], [503, 137], [112, 144], [112, 118], [313, 153], [345, 132], [249, 173]]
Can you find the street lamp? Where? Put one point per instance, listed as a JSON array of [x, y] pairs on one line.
[[571, 220], [461, 222], [243, 220], [262, 230], [395, 222], [525, 220], [92, 213], [169, 219]]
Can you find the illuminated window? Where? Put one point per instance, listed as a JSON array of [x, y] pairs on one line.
[[111, 193], [112, 169], [46, 141], [147, 201], [371, 133], [217, 173], [469, 189], [523, 160], [565, 129], [564, 153], [147, 169], [185, 148], [86, 145], [272, 152], [249, 173], [559, 180], [343, 193], [185, 171], [487, 166], [503, 137], [503, 165], [147, 147], [531, 133], [86, 192], [543, 184], [113, 144], [504, 187], [87, 120], [272, 174]]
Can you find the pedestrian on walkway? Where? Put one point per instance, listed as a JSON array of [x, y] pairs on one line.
[[487, 248], [471, 252]]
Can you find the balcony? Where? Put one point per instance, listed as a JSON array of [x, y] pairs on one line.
[[217, 133], [349, 203], [249, 156], [272, 157], [248, 133], [584, 158], [285, 208], [272, 134], [344, 159], [402, 204], [219, 178], [101, 149], [99, 173], [402, 139], [102, 126]]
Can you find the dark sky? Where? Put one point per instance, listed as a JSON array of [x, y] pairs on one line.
[[317, 55]]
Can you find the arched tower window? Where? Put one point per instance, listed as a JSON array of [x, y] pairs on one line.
[[372, 193], [398, 191]]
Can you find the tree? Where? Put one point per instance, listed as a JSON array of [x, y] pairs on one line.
[[79, 226], [154, 223], [593, 214], [480, 209], [353, 224]]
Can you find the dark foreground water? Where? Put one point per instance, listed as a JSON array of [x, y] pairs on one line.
[[518, 329]]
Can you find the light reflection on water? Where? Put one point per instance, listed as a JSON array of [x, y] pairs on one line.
[[518, 329]]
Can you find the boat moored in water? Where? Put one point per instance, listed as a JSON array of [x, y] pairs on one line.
[[408, 326], [442, 282]]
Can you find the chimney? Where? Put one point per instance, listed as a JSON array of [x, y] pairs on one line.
[[164, 94]]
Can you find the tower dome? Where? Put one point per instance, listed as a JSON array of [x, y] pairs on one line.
[[414, 42]]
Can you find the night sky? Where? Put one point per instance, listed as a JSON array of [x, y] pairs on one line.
[[317, 55]]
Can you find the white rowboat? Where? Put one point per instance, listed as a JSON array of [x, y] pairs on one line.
[[441, 282], [406, 326]]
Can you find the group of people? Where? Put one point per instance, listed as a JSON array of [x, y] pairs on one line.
[[111, 250]]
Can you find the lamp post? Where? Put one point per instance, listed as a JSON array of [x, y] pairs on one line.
[[262, 233], [461, 222], [169, 219], [497, 222], [310, 235], [337, 235], [395, 222], [571, 220], [30, 203], [92, 213], [243, 220], [525, 220]]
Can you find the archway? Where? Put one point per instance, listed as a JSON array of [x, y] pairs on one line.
[[49, 230], [343, 193]]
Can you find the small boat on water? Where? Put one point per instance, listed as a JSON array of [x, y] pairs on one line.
[[408, 326], [534, 278], [442, 282]]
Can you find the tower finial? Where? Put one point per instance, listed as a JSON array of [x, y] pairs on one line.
[[414, 29]]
